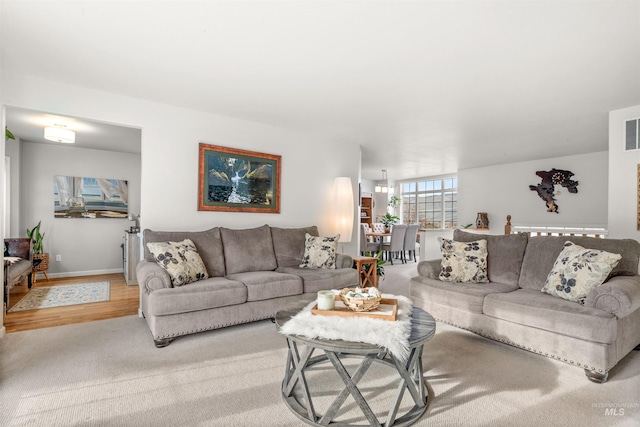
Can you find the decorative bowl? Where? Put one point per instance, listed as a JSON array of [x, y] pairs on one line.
[[359, 299]]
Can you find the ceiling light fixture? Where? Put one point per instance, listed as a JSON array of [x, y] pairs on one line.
[[59, 133], [383, 186]]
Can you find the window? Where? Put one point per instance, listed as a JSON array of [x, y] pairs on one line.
[[632, 128], [432, 203]]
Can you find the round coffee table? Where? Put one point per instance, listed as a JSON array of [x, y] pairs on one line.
[[298, 376]]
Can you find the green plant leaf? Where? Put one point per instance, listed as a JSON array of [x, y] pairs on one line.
[[8, 134]]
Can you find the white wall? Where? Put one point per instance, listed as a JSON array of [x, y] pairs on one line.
[[13, 151], [623, 177], [170, 137], [3, 123], [87, 246], [504, 189]]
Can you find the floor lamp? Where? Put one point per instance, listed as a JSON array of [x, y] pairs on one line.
[[343, 208]]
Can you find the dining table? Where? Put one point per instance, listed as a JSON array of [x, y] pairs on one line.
[[379, 237]]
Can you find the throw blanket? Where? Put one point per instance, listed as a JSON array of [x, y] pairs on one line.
[[393, 335], [8, 260]]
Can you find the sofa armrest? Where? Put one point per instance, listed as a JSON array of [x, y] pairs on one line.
[[429, 268], [619, 296], [344, 261], [152, 277]]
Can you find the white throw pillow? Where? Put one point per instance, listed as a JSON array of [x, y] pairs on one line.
[[181, 260], [319, 252], [463, 261], [578, 270]]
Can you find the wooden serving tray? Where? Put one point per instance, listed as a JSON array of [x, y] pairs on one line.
[[387, 310]]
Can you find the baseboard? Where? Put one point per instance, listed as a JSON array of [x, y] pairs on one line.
[[3, 331], [81, 273]]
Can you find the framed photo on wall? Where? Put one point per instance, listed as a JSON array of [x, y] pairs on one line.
[[82, 197], [234, 180]]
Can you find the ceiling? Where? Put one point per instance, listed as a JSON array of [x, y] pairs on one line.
[[425, 87], [28, 125]]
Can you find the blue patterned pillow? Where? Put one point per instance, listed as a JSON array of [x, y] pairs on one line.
[[578, 270]]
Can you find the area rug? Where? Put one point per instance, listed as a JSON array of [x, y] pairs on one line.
[[60, 296]]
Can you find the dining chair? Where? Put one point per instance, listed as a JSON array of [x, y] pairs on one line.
[[378, 227], [410, 240], [396, 242], [365, 244]]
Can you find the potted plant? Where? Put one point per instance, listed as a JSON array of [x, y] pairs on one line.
[[388, 220], [8, 134], [394, 202], [40, 259]]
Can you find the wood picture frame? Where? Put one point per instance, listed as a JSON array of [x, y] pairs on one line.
[[234, 180]]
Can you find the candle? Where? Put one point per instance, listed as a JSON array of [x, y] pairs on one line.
[[326, 300]]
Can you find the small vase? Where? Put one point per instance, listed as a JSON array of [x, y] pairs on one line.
[[482, 220]]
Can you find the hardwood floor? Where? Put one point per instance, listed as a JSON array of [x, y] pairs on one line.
[[124, 301]]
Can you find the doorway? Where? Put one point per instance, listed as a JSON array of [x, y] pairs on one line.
[[79, 248]]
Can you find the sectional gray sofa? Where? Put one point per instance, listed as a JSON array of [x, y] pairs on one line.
[[511, 308], [253, 273]]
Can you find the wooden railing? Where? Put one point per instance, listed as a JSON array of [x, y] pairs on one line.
[[598, 232]]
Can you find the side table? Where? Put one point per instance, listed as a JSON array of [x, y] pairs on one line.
[[366, 276]]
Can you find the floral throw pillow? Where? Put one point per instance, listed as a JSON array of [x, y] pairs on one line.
[[181, 260], [319, 252], [463, 261], [578, 270]]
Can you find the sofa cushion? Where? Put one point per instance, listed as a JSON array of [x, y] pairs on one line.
[[208, 243], [535, 309], [463, 296], [542, 252], [248, 250], [17, 268], [463, 261], [504, 254], [318, 279], [262, 285], [319, 252], [577, 271], [180, 259], [208, 293], [289, 243]]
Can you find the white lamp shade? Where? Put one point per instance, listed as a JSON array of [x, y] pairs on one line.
[[344, 207], [58, 134]]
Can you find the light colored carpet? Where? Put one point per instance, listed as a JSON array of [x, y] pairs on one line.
[[63, 295], [108, 373]]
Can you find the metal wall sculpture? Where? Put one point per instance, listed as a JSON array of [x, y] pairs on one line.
[[546, 188]]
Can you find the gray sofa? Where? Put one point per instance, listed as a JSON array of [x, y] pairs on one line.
[[512, 309], [253, 273]]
